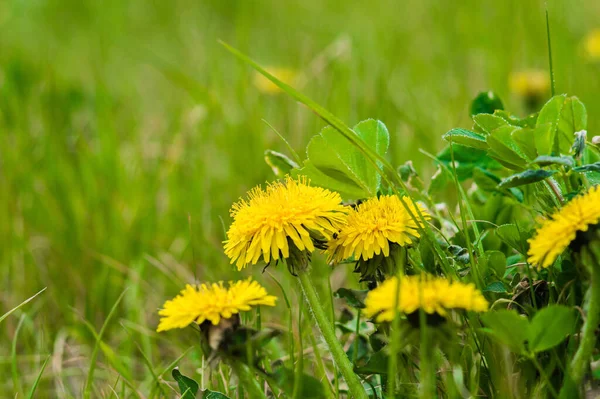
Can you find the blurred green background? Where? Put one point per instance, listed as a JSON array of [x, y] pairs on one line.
[[127, 131]]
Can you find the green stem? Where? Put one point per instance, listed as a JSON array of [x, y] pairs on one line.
[[427, 388], [337, 352], [542, 372], [581, 361], [247, 379]]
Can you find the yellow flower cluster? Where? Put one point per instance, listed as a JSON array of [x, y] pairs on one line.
[[289, 212], [556, 233], [374, 225], [591, 45], [212, 302], [432, 294]]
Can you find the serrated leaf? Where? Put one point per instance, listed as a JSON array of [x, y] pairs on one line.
[[550, 326], [465, 159], [354, 298], [188, 387], [335, 163], [486, 102], [527, 177], [280, 164], [466, 138], [487, 123], [547, 160], [528, 121], [508, 328]]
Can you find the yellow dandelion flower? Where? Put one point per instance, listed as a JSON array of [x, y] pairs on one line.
[[556, 233], [213, 302], [264, 85], [591, 45], [530, 83], [432, 294], [374, 225], [286, 216]]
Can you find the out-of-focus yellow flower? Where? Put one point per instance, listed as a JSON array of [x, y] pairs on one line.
[[530, 83], [556, 233], [432, 294], [286, 217], [373, 226], [213, 302], [591, 45], [264, 85]]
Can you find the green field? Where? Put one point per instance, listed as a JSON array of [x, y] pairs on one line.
[[127, 131]]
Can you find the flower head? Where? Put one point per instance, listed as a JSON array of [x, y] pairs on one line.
[[560, 230], [213, 302], [374, 226], [529, 83], [286, 217], [264, 85], [434, 295], [591, 45]]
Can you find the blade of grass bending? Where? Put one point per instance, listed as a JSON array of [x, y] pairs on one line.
[[87, 391], [371, 156], [288, 145], [5, 315], [38, 378]]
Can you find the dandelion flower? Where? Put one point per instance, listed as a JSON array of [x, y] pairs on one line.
[[213, 302], [561, 229], [374, 226], [591, 45], [264, 85], [281, 221], [434, 295], [529, 83]]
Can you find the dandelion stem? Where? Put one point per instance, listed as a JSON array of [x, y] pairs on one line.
[[247, 379], [581, 361], [355, 387]]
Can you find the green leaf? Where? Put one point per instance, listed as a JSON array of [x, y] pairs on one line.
[[527, 177], [335, 163], [565, 115], [486, 102], [208, 394], [504, 149], [593, 167], [377, 364], [550, 326], [578, 148], [280, 163], [485, 180], [514, 237], [508, 328], [466, 138], [528, 121], [496, 287], [547, 160], [308, 386], [354, 298], [188, 387], [466, 159], [439, 181], [486, 123], [525, 140], [496, 260]]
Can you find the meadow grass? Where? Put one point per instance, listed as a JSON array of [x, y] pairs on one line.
[[127, 131]]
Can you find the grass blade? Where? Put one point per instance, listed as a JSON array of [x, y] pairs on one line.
[[5, 315], [37, 379]]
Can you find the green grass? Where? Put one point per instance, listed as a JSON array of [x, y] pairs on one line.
[[127, 131]]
